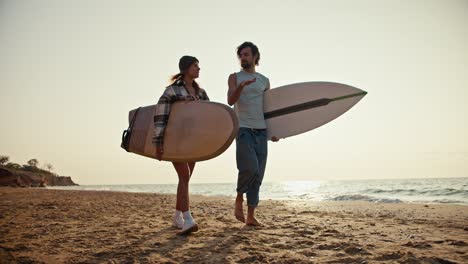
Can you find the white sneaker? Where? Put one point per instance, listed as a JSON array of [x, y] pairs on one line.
[[189, 225], [178, 220]]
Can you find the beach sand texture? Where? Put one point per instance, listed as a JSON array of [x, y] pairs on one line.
[[58, 226]]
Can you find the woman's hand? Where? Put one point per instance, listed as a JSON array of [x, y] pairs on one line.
[[274, 139]]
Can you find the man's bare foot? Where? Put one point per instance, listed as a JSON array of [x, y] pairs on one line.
[[252, 222], [239, 211]]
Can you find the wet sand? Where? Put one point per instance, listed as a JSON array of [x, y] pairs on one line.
[[57, 226]]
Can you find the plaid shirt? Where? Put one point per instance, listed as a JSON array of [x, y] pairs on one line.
[[173, 93]]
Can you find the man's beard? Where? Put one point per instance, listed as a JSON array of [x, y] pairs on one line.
[[246, 65]]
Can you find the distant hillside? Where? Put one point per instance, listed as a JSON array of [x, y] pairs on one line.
[[30, 175], [18, 178]]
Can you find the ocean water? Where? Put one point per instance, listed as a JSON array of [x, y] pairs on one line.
[[440, 190]]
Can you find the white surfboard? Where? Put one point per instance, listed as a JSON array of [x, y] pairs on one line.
[[297, 108]]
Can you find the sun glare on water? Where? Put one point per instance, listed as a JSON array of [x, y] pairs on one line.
[[300, 187]]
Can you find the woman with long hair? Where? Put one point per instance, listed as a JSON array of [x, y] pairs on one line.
[[183, 87]]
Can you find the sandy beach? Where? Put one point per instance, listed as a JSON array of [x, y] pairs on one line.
[[58, 226]]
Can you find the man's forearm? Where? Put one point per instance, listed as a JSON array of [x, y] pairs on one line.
[[234, 95]]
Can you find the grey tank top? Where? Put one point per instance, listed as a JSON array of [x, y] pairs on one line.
[[249, 107]]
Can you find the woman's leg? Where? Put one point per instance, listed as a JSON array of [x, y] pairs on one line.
[[184, 172]]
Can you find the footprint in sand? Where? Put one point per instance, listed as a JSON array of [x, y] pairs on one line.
[[224, 219], [308, 253], [456, 243], [355, 250], [389, 256], [280, 245], [420, 245], [334, 246], [348, 260]]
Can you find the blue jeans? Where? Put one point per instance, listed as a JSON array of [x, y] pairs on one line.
[[251, 157]]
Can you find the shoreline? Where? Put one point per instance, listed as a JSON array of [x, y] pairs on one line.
[[45, 225], [370, 199]]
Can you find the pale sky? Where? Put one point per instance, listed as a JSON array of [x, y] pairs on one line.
[[71, 70]]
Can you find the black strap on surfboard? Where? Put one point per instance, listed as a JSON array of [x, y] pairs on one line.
[[127, 134], [307, 105]]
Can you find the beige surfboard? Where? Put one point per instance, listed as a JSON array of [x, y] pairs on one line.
[[196, 131], [297, 108]]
